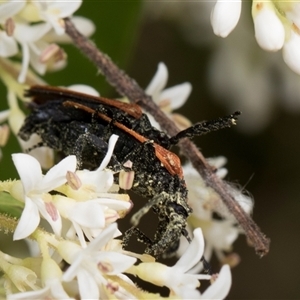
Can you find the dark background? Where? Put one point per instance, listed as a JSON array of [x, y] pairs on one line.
[[265, 161]]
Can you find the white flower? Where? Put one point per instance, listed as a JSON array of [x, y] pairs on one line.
[[38, 48], [28, 37], [179, 279], [36, 188], [90, 265], [168, 99], [225, 16], [51, 276], [21, 277], [219, 233], [89, 218], [54, 11]]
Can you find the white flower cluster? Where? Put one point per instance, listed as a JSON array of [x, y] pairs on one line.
[[36, 26], [82, 213], [168, 99], [210, 214], [276, 24]]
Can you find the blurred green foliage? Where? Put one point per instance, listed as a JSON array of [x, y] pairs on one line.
[[10, 206]]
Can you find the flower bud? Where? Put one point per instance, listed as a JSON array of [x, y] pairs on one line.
[[225, 16], [50, 270], [269, 30]]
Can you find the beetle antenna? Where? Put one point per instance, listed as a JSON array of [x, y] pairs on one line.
[[206, 127]]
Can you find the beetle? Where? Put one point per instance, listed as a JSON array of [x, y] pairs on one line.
[[80, 124]]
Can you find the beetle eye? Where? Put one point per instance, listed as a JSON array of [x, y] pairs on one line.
[[180, 210]]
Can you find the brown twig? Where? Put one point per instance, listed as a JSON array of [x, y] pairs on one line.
[[128, 87]]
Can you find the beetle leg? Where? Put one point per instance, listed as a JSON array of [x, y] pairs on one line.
[[140, 213], [141, 237], [37, 145], [170, 236]]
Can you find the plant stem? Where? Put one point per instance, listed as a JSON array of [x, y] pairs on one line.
[[128, 87]]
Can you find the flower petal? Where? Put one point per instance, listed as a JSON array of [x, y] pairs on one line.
[[158, 82], [103, 238], [84, 26], [97, 181], [88, 287], [177, 95], [111, 145], [54, 218], [39, 294], [88, 214], [10, 8], [75, 259], [8, 45], [30, 33], [83, 88], [292, 14], [29, 170], [193, 253], [220, 288], [290, 52], [118, 261], [57, 289], [56, 176], [113, 203], [63, 9], [56, 11], [28, 222], [35, 59]]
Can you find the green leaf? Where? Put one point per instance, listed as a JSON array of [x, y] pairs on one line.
[[10, 206]]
